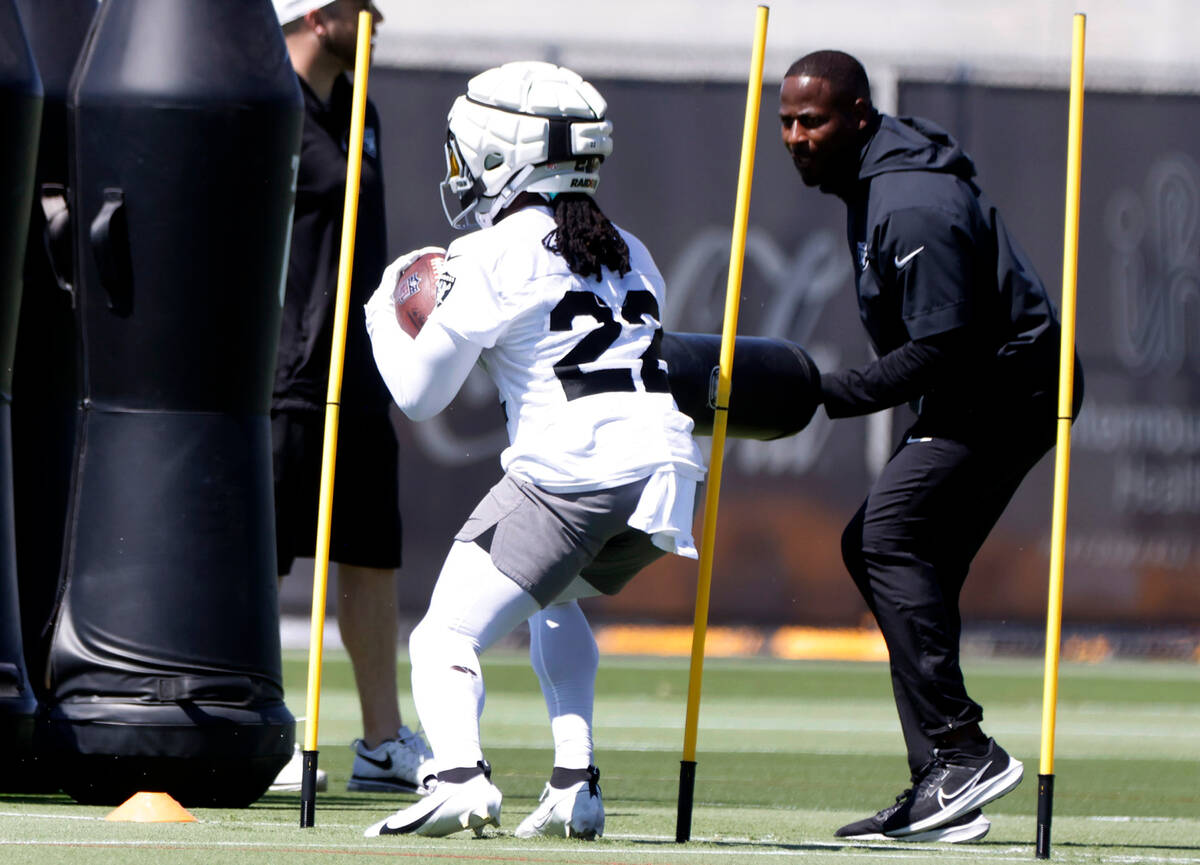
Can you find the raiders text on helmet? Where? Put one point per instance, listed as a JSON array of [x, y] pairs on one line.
[[523, 126]]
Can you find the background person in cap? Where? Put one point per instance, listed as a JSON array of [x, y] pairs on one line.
[[963, 328], [365, 541]]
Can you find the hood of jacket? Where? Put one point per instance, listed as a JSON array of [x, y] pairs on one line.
[[913, 144]]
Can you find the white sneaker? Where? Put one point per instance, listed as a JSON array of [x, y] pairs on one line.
[[574, 811], [291, 776], [453, 805], [398, 765]]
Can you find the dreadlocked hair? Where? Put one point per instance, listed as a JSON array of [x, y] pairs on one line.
[[585, 238]]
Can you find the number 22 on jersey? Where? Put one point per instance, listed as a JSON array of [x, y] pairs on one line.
[[640, 309]]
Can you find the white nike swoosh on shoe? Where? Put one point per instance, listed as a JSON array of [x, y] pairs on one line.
[[900, 262], [965, 788], [382, 765]]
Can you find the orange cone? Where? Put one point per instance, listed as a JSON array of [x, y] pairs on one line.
[[151, 808]]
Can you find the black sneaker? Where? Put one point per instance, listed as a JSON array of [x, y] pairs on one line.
[[969, 827], [946, 788]]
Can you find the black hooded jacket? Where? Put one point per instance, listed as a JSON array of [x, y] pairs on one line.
[[954, 309]]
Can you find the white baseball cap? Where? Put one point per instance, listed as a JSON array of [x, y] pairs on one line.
[[289, 10]]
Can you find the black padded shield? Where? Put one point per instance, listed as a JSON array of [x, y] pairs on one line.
[[21, 108], [45, 377], [165, 670], [775, 386]]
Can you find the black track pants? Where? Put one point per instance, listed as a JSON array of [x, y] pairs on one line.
[[909, 548]]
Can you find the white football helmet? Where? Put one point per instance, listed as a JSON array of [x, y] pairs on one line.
[[523, 126]]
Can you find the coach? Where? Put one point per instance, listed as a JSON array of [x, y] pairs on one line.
[[964, 331]]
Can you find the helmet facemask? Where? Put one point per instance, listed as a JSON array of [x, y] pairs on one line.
[[460, 189]]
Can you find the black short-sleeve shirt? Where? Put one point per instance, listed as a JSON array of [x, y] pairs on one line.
[[306, 333]]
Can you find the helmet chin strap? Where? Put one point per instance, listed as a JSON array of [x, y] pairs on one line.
[[503, 198]]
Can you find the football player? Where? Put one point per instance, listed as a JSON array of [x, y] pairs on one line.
[[563, 309]]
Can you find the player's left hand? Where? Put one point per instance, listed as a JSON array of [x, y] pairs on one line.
[[381, 308], [404, 262]]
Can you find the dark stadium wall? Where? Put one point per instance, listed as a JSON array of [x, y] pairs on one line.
[[1134, 548]]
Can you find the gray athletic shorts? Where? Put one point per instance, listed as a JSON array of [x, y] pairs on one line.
[[542, 541]]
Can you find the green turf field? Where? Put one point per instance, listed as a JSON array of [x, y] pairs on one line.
[[788, 751]]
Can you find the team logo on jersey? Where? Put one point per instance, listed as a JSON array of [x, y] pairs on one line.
[[445, 284], [864, 257]]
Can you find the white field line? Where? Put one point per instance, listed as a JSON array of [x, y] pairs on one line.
[[41, 815], [724, 839], [800, 725], [824, 752], [1120, 819], [1018, 853], [1009, 854], [25, 815]]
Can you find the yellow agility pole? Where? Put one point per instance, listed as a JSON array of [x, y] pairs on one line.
[[687, 766], [316, 637], [1062, 455]]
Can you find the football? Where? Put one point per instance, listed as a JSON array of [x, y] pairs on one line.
[[416, 290]]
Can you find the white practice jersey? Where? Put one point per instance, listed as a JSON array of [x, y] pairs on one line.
[[576, 360]]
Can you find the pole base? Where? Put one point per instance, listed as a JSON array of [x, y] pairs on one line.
[[308, 790], [1045, 812], [687, 790]]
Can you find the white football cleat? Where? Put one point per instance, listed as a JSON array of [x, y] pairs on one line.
[[462, 799], [575, 810]]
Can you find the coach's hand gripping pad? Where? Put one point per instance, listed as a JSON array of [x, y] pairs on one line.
[[776, 387]]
